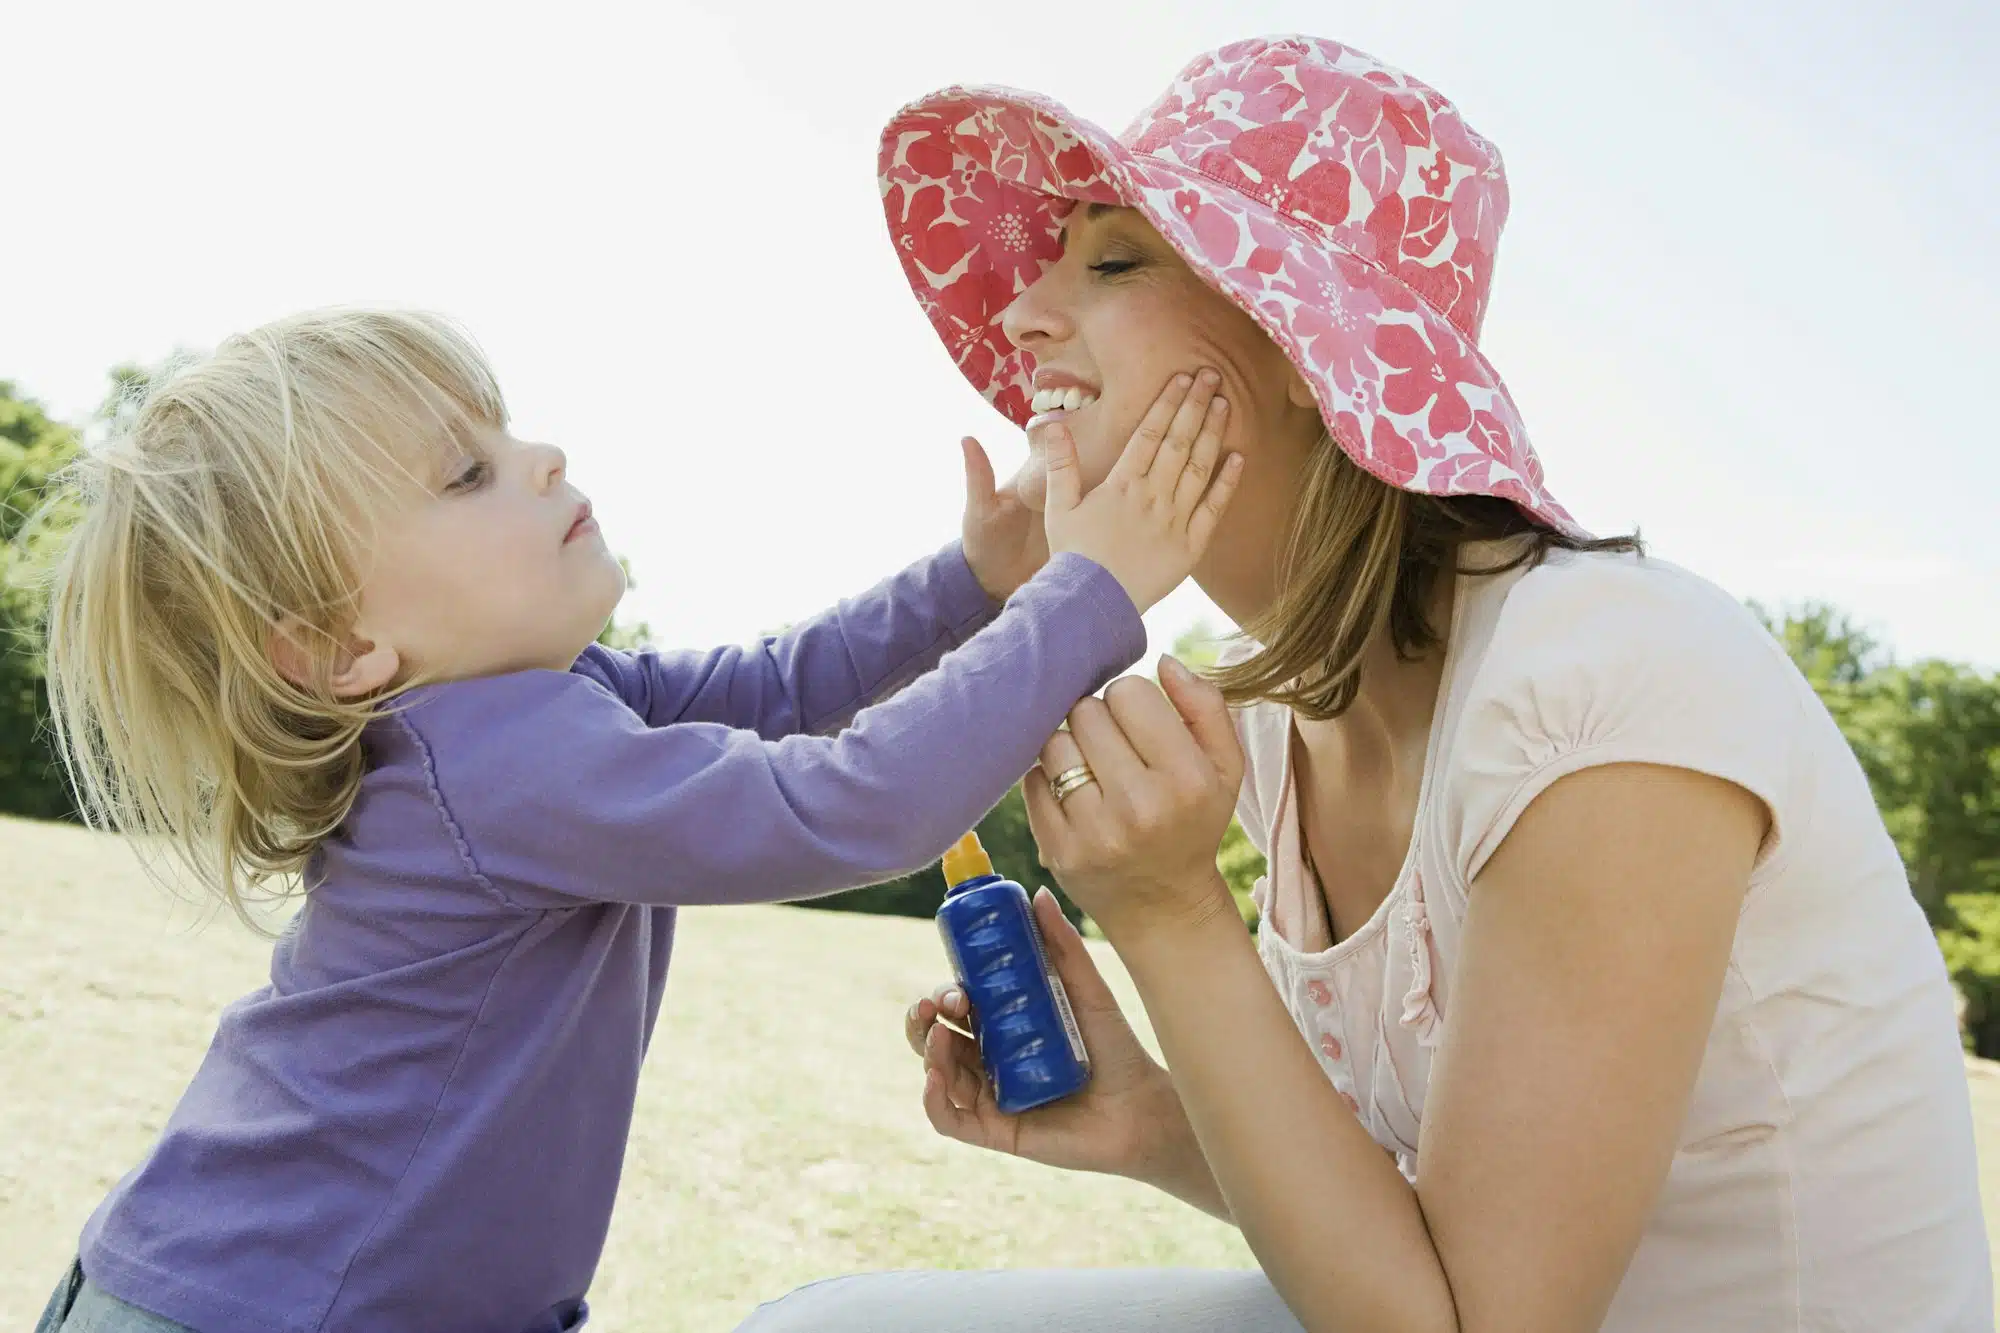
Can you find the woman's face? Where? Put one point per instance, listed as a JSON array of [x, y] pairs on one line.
[[1116, 317]]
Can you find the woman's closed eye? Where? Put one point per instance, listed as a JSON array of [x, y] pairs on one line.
[[1111, 268]]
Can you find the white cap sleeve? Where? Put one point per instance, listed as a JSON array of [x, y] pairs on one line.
[[1604, 660]]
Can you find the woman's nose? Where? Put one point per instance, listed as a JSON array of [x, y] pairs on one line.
[[1037, 316]]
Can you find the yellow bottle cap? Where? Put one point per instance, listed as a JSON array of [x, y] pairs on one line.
[[966, 860]]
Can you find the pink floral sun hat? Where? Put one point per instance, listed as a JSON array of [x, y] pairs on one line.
[[1346, 206]]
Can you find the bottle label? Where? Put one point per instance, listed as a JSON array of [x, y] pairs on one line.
[[1070, 1029], [1068, 1020]]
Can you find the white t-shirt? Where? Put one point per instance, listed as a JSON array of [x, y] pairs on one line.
[[1825, 1176]]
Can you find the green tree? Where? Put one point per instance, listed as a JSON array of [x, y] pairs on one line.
[[1927, 735], [33, 449], [1005, 835]]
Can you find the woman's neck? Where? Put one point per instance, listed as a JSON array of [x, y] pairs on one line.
[[1386, 730]]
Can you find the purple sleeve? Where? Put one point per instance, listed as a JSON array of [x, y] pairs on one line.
[[814, 677], [558, 792]]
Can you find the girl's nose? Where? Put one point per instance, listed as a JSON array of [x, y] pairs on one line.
[[549, 464]]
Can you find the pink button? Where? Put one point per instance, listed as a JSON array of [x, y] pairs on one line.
[[1321, 996], [1329, 1045]]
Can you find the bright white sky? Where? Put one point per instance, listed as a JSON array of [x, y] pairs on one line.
[[1746, 296]]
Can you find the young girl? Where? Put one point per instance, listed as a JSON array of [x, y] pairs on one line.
[[323, 617]]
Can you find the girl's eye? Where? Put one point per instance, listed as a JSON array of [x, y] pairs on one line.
[[1111, 268], [469, 478]]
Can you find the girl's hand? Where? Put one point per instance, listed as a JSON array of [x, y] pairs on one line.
[[1127, 1121], [1136, 847], [1004, 540], [1150, 519]]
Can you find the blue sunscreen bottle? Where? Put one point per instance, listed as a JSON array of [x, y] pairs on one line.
[[1028, 1037]]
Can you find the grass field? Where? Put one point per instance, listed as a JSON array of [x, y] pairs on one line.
[[778, 1139]]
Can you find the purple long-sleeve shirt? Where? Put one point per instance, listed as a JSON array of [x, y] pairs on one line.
[[419, 1124]]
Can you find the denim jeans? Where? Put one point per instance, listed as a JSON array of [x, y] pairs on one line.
[[1102, 1300], [79, 1307]]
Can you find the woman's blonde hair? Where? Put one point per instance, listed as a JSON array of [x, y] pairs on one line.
[[232, 505], [1364, 556]]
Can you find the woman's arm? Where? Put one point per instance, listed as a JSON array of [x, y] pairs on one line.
[[1593, 959]]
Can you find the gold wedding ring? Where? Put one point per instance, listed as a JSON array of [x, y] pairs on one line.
[[1069, 780]]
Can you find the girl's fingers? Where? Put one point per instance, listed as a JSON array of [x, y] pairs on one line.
[[979, 488], [1065, 477], [1172, 455], [1144, 445], [1202, 460], [1209, 512]]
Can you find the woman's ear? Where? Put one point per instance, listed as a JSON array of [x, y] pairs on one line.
[[1296, 391]]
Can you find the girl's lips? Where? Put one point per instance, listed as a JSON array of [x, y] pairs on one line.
[[583, 526]]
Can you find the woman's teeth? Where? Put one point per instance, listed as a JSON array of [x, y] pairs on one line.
[[1061, 400]]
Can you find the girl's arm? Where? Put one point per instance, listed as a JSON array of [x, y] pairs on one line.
[[1593, 957], [814, 676], [556, 792]]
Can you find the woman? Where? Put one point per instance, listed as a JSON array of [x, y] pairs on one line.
[[1617, 1011]]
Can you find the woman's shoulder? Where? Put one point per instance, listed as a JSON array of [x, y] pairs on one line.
[[1621, 617], [1600, 658]]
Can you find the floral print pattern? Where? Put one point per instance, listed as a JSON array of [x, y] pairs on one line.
[[1347, 207]]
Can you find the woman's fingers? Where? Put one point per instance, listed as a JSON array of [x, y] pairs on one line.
[[947, 1005], [1120, 772], [1151, 723], [1088, 993], [1206, 713]]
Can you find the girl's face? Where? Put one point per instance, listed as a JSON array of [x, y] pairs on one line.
[[1121, 313], [494, 566]]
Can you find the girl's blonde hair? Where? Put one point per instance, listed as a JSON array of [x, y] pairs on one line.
[[234, 504]]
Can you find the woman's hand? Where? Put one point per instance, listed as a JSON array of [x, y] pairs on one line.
[[1004, 540], [1136, 847], [1127, 1121]]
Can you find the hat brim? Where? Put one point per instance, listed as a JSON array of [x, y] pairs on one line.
[[976, 183]]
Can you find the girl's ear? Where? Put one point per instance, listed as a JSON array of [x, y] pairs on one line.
[[286, 646], [360, 667]]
